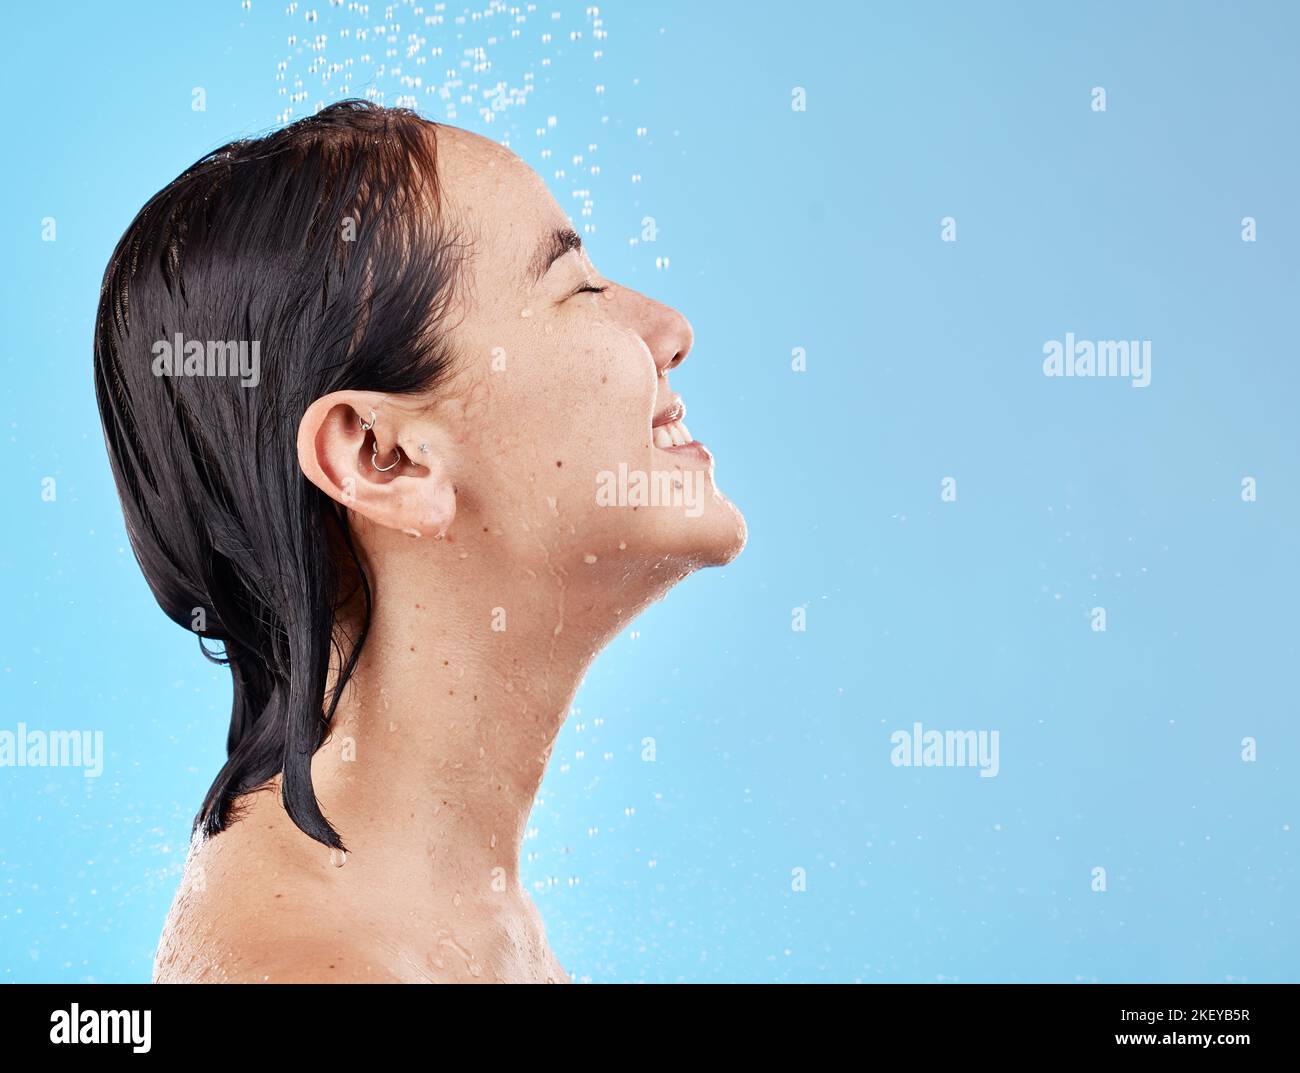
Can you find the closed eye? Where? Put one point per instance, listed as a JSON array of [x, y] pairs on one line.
[[591, 288]]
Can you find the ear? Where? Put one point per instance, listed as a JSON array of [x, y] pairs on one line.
[[345, 438]]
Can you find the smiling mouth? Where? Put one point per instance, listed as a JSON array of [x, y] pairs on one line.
[[673, 434], [668, 429], [670, 433]]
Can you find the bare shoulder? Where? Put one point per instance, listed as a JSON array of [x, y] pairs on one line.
[[236, 959], [246, 911]]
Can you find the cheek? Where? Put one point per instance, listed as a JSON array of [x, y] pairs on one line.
[[621, 386], [575, 392], [587, 392]]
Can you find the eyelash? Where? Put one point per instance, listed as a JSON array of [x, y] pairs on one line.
[[590, 288]]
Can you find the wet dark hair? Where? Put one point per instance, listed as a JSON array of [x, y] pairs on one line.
[[325, 243]]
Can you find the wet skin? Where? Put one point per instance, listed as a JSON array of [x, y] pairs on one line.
[[498, 577]]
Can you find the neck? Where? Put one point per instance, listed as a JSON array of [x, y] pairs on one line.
[[442, 736]]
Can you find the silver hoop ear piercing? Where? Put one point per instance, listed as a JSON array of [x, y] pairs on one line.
[[366, 426], [374, 457]]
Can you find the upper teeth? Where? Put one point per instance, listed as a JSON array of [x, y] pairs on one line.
[[673, 434]]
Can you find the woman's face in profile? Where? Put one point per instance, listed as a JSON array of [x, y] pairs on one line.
[[466, 376], [565, 438]]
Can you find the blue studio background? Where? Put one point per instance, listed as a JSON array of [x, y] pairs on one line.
[[772, 839]]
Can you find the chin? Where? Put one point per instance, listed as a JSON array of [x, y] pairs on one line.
[[703, 528], [670, 517], [729, 533], [714, 538]]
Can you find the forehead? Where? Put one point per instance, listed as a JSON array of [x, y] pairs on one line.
[[501, 202]]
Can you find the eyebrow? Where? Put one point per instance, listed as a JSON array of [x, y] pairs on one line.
[[552, 248]]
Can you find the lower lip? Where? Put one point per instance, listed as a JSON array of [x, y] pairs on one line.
[[694, 449]]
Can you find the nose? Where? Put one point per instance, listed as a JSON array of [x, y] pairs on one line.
[[668, 335]]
